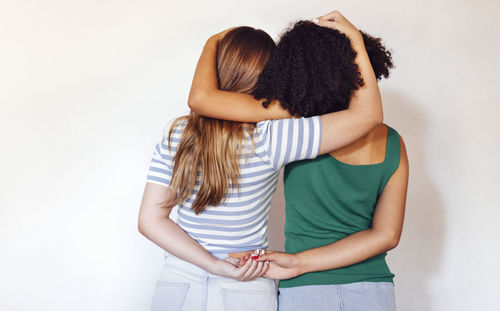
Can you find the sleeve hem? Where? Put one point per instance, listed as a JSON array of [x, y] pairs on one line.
[[320, 133], [157, 182]]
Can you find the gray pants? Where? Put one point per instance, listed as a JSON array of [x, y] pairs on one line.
[[360, 296]]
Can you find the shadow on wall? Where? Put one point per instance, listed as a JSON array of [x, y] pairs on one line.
[[276, 225], [418, 256]]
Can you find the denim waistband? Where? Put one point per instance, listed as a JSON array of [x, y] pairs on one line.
[[186, 268]]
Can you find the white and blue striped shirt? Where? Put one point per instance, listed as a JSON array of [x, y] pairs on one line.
[[240, 222]]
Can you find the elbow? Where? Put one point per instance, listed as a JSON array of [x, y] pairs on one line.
[[377, 116], [196, 100], [141, 225], [392, 241], [374, 118], [371, 117], [392, 244]]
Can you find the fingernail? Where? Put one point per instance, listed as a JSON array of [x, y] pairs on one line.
[[315, 20], [255, 257]]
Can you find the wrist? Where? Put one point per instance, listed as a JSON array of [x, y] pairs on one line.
[[357, 42], [300, 263], [212, 266], [212, 42]]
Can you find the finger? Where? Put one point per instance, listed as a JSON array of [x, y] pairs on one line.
[[257, 253], [268, 257], [265, 269], [266, 251], [255, 256], [251, 269], [224, 32], [327, 24], [234, 261], [269, 272], [258, 271], [243, 269], [244, 260], [333, 16]]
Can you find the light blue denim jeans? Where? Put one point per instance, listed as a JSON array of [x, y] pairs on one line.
[[359, 296], [183, 286]]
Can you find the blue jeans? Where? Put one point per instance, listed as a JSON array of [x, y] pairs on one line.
[[360, 296]]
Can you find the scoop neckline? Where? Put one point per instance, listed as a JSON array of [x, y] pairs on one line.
[[365, 165]]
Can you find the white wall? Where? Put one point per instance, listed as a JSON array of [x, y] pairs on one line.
[[87, 86]]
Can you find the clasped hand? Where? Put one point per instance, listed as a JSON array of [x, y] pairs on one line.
[[245, 269], [272, 265]]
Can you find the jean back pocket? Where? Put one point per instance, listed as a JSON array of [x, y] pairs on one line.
[[245, 300], [169, 296]]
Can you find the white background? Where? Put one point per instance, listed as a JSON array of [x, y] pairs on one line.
[[86, 88]]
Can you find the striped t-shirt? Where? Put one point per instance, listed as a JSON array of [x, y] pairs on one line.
[[240, 222]]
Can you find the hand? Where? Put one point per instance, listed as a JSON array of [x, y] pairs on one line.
[[230, 268], [281, 265], [220, 35], [335, 20]]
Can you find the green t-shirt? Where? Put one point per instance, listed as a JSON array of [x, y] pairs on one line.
[[327, 200]]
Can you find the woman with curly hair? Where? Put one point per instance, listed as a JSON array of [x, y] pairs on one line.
[[222, 175], [345, 209]]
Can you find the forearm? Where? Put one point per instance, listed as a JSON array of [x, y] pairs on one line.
[[169, 236], [345, 252]]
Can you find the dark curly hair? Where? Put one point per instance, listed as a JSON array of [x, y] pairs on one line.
[[312, 70]]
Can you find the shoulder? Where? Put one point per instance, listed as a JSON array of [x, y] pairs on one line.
[[396, 134], [264, 124], [402, 147], [404, 156], [172, 133], [175, 126]]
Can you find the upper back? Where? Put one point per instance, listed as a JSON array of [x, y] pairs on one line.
[[341, 190], [240, 222], [369, 149]]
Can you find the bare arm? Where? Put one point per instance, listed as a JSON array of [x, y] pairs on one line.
[[155, 224], [338, 129], [383, 236]]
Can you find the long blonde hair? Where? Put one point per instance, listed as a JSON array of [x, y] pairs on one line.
[[212, 146]]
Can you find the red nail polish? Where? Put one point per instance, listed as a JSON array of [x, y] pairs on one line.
[[255, 257]]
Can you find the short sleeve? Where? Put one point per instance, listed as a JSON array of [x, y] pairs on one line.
[[162, 160], [289, 140]]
